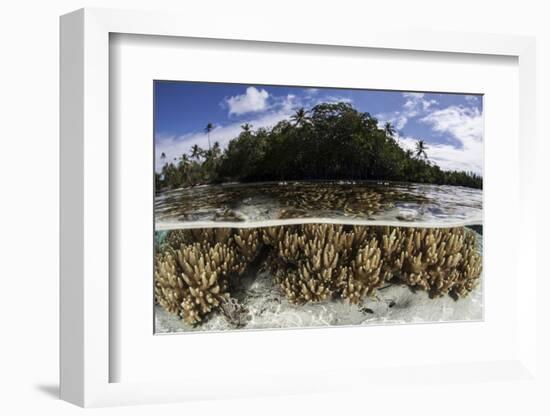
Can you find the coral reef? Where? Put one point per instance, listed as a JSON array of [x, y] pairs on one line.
[[438, 260], [205, 270], [364, 275], [175, 238], [192, 280], [169, 285], [316, 262], [248, 243], [311, 263], [363, 202]]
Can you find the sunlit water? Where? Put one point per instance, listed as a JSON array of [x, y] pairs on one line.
[[366, 202]]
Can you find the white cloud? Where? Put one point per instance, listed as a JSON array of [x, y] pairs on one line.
[[396, 118], [448, 157], [465, 125], [288, 103], [311, 91], [175, 146], [415, 105], [415, 95], [471, 98], [332, 99], [253, 100]]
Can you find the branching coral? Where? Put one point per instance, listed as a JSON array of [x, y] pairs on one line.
[[272, 235], [210, 235], [312, 263], [441, 261], [469, 268], [316, 262], [169, 285], [205, 269], [300, 200], [391, 243], [248, 243], [175, 238], [364, 275], [192, 280]]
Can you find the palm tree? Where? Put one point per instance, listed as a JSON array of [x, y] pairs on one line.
[[300, 117], [216, 149], [420, 149], [184, 159], [196, 152], [389, 129], [183, 167], [209, 127], [247, 127]]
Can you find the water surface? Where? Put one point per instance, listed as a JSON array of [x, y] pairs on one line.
[[357, 202]]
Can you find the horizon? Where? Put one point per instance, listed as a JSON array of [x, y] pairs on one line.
[[450, 124]]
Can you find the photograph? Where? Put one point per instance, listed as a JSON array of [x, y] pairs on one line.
[[300, 206]]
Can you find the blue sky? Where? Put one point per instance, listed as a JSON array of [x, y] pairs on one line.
[[450, 124]]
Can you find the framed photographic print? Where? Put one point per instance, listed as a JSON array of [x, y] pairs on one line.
[[301, 205]]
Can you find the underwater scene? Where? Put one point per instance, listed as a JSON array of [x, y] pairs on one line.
[[288, 207], [315, 275]]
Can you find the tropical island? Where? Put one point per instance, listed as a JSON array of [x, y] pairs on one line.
[[331, 141]]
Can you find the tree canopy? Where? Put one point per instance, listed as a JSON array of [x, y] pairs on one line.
[[329, 142]]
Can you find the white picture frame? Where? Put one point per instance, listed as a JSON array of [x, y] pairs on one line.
[[86, 356]]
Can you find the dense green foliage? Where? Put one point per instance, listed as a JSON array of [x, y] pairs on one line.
[[332, 141]]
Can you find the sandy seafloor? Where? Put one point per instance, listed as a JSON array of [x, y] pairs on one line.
[[267, 308]]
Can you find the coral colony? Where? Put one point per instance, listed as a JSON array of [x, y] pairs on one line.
[[197, 269]]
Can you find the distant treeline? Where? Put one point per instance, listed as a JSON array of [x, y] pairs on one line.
[[331, 141]]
